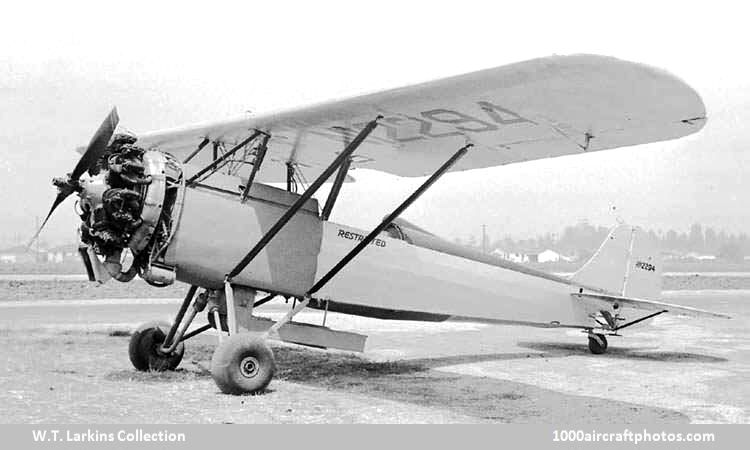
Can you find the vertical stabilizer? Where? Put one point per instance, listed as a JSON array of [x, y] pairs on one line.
[[626, 264]]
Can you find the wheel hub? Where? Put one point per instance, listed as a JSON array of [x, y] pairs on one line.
[[249, 367]]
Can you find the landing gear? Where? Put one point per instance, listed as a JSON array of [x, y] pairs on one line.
[[242, 364], [597, 343], [146, 348]]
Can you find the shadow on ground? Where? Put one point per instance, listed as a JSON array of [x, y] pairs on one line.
[[420, 382], [558, 350]]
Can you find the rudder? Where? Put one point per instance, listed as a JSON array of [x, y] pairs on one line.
[[626, 264]]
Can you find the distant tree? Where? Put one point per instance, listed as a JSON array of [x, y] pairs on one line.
[[508, 244], [584, 255], [653, 236], [683, 241], [722, 239], [712, 241], [731, 251], [671, 240], [582, 239], [582, 236], [546, 241], [496, 244], [696, 241], [744, 243]]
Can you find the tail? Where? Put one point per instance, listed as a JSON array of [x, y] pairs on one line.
[[627, 264]]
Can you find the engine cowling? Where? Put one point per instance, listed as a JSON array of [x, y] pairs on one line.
[[127, 207]]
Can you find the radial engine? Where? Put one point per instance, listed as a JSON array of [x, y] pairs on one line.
[[127, 207]]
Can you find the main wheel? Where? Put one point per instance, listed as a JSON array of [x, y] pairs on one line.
[[242, 364], [145, 348], [597, 343]]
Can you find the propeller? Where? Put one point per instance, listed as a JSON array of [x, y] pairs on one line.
[[96, 149]]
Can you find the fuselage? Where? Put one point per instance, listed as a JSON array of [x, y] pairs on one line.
[[392, 278]]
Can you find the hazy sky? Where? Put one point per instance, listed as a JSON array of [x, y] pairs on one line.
[[64, 64]]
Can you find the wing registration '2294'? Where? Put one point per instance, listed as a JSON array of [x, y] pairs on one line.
[[535, 109], [400, 129]]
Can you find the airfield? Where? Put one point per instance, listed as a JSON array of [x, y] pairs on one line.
[[66, 362]]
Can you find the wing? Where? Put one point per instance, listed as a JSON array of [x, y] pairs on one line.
[[535, 109], [608, 301]]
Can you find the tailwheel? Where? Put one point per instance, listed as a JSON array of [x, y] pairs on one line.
[[145, 348], [242, 364], [597, 343]]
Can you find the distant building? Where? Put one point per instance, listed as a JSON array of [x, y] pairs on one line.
[[531, 256], [18, 255], [7, 258], [699, 256], [671, 255], [515, 256], [62, 253], [551, 256], [21, 255]]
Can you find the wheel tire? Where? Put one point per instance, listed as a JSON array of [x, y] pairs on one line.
[[144, 348], [242, 364], [597, 344]]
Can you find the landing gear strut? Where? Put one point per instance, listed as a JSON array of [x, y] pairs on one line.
[[145, 349], [597, 343], [242, 363], [159, 346]]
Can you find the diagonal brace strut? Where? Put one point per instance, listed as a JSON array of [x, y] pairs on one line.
[[259, 157], [284, 219], [367, 240], [223, 157], [387, 221]]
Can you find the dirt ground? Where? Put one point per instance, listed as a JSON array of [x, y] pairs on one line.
[[66, 361], [68, 289], [83, 377]]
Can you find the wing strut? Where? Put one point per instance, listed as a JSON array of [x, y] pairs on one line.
[[367, 241], [257, 162], [335, 189], [203, 143], [215, 164], [291, 185], [261, 244], [387, 221]]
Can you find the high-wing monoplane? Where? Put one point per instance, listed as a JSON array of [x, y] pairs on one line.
[[194, 204]]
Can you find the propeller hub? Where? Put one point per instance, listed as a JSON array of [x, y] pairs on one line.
[[92, 192], [66, 185], [126, 200], [96, 149]]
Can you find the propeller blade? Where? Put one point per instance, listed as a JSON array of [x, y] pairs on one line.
[[62, 195], [94, 151], [97, 146]]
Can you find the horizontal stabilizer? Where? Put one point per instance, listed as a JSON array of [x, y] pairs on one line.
[[614, 301]]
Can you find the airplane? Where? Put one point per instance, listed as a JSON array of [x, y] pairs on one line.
[[167, 206]]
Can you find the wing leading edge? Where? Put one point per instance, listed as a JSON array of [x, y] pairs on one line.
[[535, 109]]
